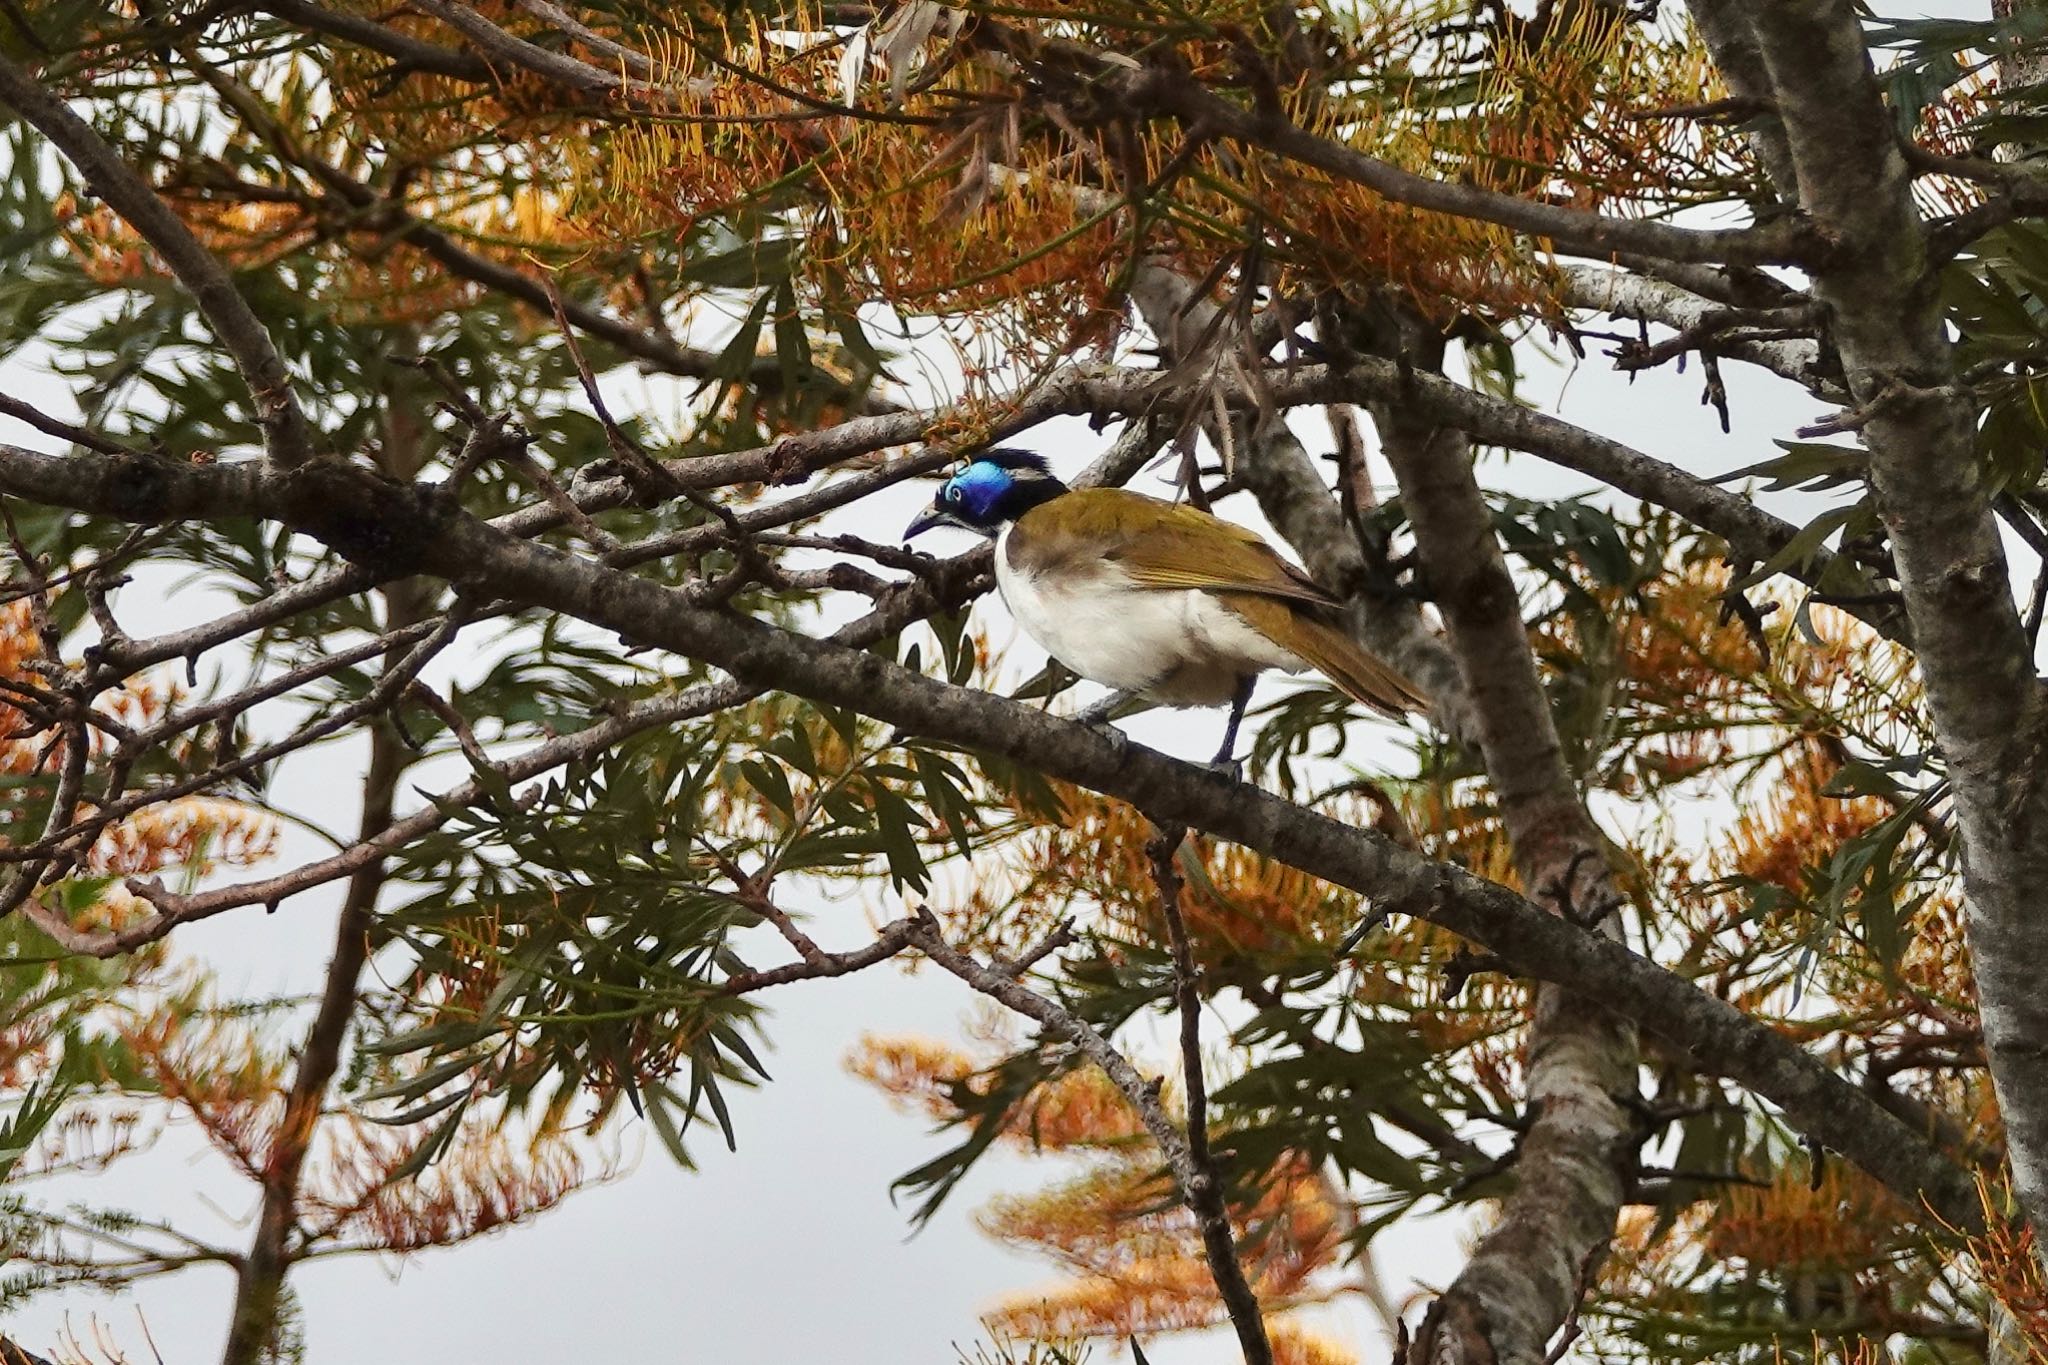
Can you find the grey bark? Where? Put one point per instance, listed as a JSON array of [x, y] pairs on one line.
[[1576, 1157], [1627, 294], [1527, 1275], [1740, 59], [1974, 656]]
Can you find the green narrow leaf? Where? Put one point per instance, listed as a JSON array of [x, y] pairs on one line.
[[718, 1110], [79, 894], [429, 1151], [792, 344], [768, 780], [421, 1113], [1807, 465], [661, 1101], [425, 1081], [857, 343], [1858, 778], [1802, 547]]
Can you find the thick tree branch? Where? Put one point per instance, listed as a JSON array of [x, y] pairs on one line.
[[943, 585], [1729, 37], [1752, 533], [415, 529], [1627, 294], [505, 49], [410, 54], [636, 63]]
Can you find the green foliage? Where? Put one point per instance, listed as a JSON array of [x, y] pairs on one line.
[[595, 939]]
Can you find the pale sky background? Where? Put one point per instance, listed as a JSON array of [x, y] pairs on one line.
[[788, 1250]]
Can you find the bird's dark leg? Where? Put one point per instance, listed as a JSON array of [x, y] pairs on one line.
[[1226, 756]]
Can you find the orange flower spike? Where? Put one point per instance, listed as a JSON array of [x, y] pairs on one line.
[[915, 1072], [1296, 1345], [1844, 1223]]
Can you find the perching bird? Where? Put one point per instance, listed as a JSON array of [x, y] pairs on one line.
[[1157, 600]]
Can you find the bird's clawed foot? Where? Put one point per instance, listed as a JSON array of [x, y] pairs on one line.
[[1099, 714], [1229, 767]]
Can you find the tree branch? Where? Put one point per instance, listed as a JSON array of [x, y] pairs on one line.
[[1526, 1276], [411, 53], [286, 435], [1627, 294], [259, 1279], [1571, 230], [1205, 1192], [941, 585], [1197, 1185], [419, 530], [894, 937]]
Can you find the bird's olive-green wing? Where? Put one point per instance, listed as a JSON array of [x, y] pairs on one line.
[[1160, 545], [1330, 651]]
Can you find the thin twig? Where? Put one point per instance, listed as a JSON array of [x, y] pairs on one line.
[[1572, 1331], [386, 690], [893, 938], [1205, 1193], [1060, 936], [51, 426], [1197, 1187]]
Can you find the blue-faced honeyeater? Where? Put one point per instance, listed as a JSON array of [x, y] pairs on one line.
[[1154, 599]]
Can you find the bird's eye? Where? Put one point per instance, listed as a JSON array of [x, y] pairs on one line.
[[952, 493]]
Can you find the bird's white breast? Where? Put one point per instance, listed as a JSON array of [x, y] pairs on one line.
[[1178, 646]]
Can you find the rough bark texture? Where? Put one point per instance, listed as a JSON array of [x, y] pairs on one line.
[[1626, 294], [1974, 655], [2024, 69], [1577, 1155], [1740, 60]]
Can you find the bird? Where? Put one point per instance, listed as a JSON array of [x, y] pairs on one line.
[[1156, 600]]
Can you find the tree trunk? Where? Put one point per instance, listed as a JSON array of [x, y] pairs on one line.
[[1879, 286], [1576, 1157], [260, 1284]]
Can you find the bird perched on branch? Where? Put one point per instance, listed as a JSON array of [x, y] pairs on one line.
[[1157, 600]]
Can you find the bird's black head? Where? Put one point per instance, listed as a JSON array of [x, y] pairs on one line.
[[997, 487]]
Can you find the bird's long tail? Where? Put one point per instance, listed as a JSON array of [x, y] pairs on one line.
[[1358, 675]]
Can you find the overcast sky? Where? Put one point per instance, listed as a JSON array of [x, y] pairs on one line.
[[789, 1250]]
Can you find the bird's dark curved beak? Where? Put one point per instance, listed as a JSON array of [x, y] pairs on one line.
[[926, 520]]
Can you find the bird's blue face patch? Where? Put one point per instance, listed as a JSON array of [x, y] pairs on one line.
[[999, 486], [975, 492]]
